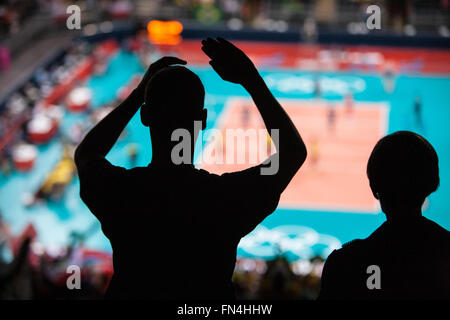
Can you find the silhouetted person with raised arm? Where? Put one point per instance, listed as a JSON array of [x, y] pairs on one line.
[[174, 229], [408, 256]]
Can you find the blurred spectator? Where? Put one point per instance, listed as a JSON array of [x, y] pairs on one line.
[[277, 279], [13, 13]]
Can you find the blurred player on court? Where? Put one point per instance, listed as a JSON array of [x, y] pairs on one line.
[[348, 103], [331, 116], [314, 152], [389, 78], [245, 116], [132, 150], [317, 89]]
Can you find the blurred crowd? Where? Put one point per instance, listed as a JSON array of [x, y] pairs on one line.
[[429, 15], [278, 279], [27, 102], [266, 15], [28, 270], [93, 9], [13, 14]]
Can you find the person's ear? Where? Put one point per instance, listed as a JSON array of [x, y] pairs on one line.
[[145, 115], [204, 116]]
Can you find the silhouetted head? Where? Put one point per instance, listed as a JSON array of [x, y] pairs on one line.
[[174, 99], [403, 170]]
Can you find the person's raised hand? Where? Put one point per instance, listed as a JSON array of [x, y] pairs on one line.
[[156, 66], [230, 63]]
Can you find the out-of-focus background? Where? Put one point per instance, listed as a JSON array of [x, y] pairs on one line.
[[344, 84]]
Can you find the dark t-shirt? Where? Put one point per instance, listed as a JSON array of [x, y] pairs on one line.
[[413, 264], [174, 233]]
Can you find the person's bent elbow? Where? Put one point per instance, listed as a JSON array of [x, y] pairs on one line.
[[294, 158], [301, 154], [79, 157]]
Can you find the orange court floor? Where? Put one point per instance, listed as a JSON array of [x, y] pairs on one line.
[[339, 140]]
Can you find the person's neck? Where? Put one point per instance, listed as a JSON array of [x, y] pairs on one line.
[[164, 160], [404, 216]]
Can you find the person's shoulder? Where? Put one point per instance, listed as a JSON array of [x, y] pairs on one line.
[[135, 172], [203, 174], [437, 232], [433, 226], [200, 176], [351, 250], [139, 170], [351, 247], [353, 244], [348, 257]]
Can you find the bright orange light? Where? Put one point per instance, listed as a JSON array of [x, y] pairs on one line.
[[164, 32], [168, 40], [158, 27], [175, 28]]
